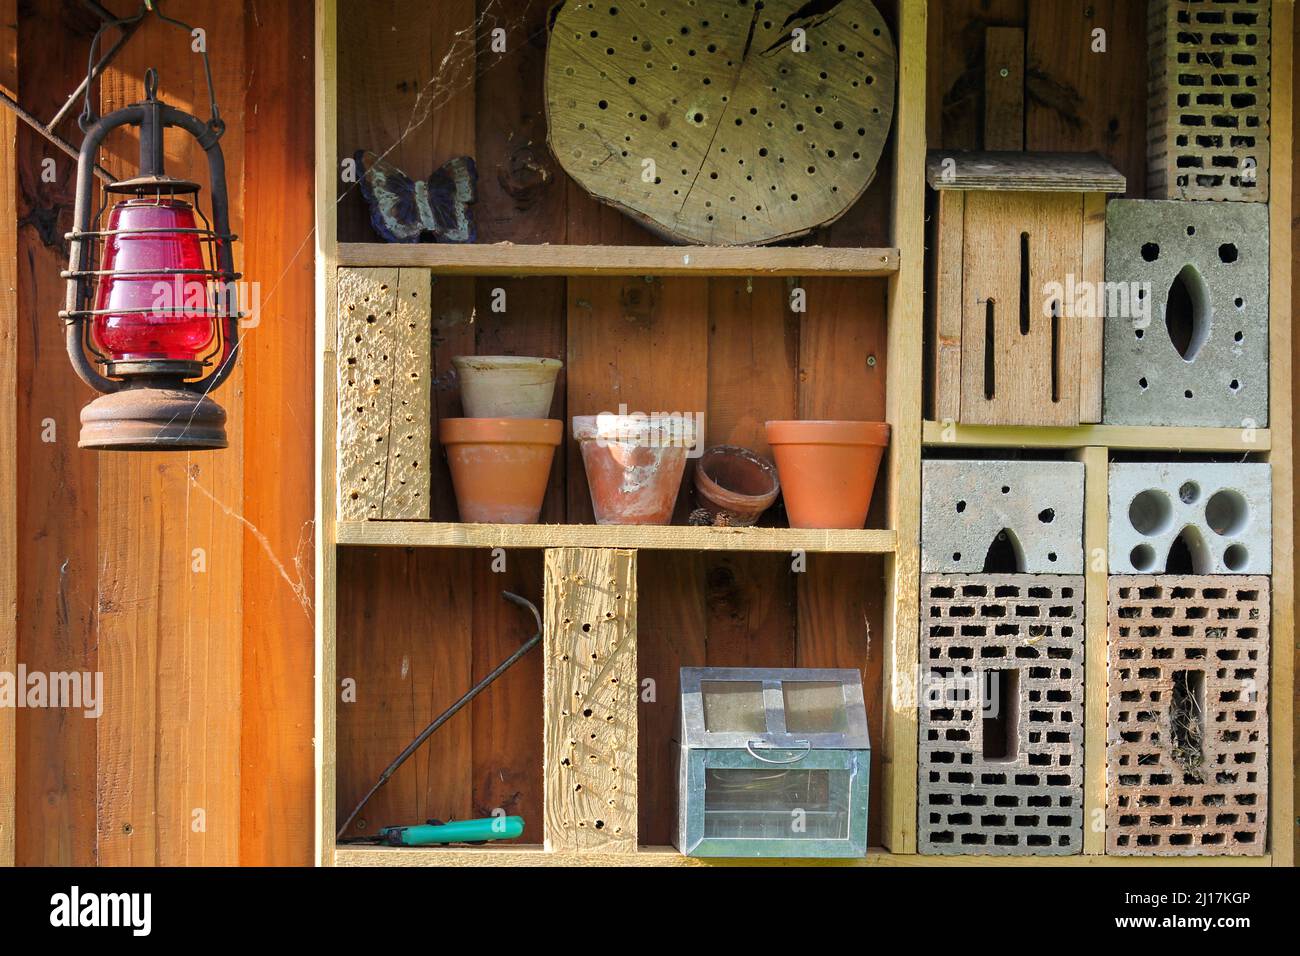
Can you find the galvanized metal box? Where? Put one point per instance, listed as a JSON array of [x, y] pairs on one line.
[[772, 762]]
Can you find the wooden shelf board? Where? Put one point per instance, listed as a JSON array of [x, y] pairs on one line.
[[447, 534], [508, 259], [1135, 437], [512, 856]]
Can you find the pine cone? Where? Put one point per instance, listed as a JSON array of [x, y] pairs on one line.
[[700, 516]]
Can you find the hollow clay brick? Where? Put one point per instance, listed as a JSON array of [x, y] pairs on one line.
[[1021, 792], [1165, 794]]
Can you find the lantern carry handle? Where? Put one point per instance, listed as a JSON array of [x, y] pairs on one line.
[[807, 749], [87, 118], [159, 116]]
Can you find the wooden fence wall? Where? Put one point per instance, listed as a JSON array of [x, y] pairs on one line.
[[185, 579]]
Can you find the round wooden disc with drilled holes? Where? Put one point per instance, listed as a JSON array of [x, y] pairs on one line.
[[722, 122]]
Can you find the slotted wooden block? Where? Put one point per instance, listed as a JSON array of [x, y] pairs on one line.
[[718, 123], [384, 385], [1019, 366], [590, 693], [1018, 258]]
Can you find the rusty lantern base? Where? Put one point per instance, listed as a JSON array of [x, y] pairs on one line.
[[152, 418]]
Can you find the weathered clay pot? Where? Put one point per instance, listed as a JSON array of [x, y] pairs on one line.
[[828, 470], [736, 482], [506, 386], [500, 466], [634, 465]]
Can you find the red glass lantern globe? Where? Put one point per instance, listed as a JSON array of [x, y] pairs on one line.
[[152, 300]]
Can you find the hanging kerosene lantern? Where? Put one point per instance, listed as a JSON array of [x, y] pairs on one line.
[[151, 288]]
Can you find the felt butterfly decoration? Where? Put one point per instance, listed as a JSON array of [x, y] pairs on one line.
[[403, 210]]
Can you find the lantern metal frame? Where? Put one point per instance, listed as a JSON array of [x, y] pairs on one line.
[[151, 404]]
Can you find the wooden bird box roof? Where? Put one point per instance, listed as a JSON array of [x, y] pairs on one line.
[[1022, 172]]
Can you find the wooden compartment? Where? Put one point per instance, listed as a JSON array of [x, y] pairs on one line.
[[405, 60], [417, 628], [732, 351]]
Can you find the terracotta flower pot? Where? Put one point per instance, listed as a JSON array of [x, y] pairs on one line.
[[500, 466], [506, 386], [828, 470], [634, 465], [736, 482]]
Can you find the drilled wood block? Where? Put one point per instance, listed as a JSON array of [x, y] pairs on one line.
[[1187, 716], [1001, 718], [384, 401], [590, 692], [1208, 100], [721, 123]]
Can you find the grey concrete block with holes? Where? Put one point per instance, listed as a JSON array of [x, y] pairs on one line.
[[1199, 354], [1221, 512], [1006, 516]]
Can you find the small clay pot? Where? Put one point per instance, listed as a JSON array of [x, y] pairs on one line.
[[506, 386], [828, 470], [500, 466], [736, 482], [634, 465]]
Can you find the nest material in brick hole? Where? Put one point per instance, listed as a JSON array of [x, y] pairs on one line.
[[733, 122], [1187, 715]]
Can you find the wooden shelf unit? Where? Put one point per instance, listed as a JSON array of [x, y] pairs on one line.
[[896, 259]]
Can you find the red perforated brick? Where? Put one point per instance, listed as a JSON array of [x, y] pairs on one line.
[[1006, 779], [1187, 734]]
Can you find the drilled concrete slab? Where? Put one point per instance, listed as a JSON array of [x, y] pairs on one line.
[[1222, 512], [1187, 715], [1000, 767], [1199, 354], [1031, 508]]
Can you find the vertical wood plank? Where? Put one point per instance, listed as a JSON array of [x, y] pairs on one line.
[[8, 421], [1004, 88], [1282, 344], [384, 383], [521, 189], [752, 356], [950, 231], [955, 78], [1082, 98], [590, 765], [276, 706], [56, 490], [1092, 328], [671, 634], [507, 717], [840, 607], [170, 539], [325, 293], [638, 342], [1096, 480], [843, 349], [903, 412]]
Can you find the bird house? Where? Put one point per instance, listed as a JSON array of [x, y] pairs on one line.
[[1017, 289], [772, 763]]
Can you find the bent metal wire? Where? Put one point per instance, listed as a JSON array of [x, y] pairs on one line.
[[156, 386]]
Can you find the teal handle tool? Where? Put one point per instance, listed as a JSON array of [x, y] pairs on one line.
[[456, 831]]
